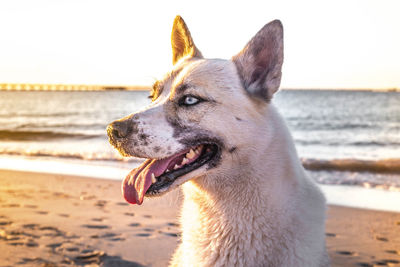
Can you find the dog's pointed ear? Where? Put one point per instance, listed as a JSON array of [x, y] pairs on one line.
[[182, 42], [260, 63]]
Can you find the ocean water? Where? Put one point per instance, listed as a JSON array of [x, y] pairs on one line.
[[343, 137]]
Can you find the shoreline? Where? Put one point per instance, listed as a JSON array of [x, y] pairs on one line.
[[69, 220], [342, 195]]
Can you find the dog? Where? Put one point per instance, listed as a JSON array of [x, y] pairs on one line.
[[213, 130]]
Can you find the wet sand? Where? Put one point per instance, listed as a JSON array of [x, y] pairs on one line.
[[59, 220]]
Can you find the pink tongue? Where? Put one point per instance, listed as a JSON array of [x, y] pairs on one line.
[[138, 181]]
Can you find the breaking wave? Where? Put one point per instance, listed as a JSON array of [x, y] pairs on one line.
[[354, 165], [10, 135], [384, 166], [382, 174], [86, 156]]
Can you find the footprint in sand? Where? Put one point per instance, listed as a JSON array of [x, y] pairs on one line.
[[143, 234], [381, 238], [63, 215], [72, 249], [122, 203], [54, 245], [11, 205], [11, 237], [87, 197], [42, 212], [385, 262], [16, 243], [117, 239], [36, 262], [129, 214], [90, 257], [24, 234], [4, 222], [392, 261], [106, 235], [330, 234], [396, 252], [61, 194], [171, 234], [51, 231], [112, 237], [148, 216], [100, 203], [31, 244], [8, 237], [31, 226], [96, 226], [171, 226], [134, 224], [71, 236], [49, 228], [364, 264], [30, 206], [117, 261], [346, 253]]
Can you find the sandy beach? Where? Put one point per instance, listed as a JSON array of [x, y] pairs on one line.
[[59, 220]]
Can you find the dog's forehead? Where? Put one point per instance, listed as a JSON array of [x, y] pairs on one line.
[[202, 74]]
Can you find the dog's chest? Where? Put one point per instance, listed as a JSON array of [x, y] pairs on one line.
[[215, 237]]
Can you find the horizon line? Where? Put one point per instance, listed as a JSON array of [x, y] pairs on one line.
[[106, 87]]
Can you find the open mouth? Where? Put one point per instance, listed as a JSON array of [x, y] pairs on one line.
[[154, 176]]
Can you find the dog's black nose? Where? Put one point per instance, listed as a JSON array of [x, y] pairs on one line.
[[118, 130]]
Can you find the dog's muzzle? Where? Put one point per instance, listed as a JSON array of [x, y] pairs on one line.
[[118, 131]]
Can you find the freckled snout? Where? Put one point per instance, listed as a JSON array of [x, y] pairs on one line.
[[146, 134], [118, 130]]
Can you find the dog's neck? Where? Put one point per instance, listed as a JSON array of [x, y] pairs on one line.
[[232, 205]]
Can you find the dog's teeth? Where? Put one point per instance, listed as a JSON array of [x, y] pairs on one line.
[[191, 154], [167, 171], [153, 178], [199, 149], [184, 161], [176, 167]]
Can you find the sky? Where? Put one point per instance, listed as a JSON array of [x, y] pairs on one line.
[[328, 44]]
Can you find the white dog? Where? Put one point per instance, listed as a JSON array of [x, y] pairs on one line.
[[212, 128]]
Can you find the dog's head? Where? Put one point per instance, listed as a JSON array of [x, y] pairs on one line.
[[203, 113]]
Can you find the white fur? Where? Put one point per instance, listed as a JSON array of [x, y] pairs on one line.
[[265, 212], [257, 206]]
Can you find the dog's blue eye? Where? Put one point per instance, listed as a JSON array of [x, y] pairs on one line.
[[190, 100]]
